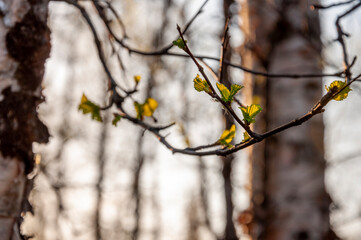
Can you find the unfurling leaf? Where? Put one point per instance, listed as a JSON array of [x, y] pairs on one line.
[[201, 85], [146, 109], [227, 95], [227, 136], [246, 137], [250, 112], [116, 119], [234, 90], [337, 85], [89, 107], [224, 91], [180, 43], [137, 79]]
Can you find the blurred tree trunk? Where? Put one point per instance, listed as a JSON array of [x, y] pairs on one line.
[[230, 230], [289, 200], [24, 46]]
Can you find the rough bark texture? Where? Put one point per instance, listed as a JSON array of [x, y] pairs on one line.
[[289, 200], [24, 46]]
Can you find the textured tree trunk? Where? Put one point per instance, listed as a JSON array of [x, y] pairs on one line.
[[289, 200], [24, 46]]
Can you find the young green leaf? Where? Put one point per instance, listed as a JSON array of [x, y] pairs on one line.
[[89, 107], [227, 136], [146, 109], [234, 89], [201, 85], [224, 91], [250, 112], [180, 43], [227, 95], [116, 119], [246, 137], [337, 85]]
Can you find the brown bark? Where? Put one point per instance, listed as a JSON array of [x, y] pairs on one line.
[[24, 46], [289, 200]]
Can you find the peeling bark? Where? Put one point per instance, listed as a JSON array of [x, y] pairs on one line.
[[24, 47]]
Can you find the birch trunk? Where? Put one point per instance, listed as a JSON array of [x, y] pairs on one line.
[[24, 46], [289, 200]]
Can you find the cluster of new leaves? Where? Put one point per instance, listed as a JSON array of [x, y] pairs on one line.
[[88, 106], [337, 90], [201, 85], [227, 95], [227, 136], [145, 109], [335, 86], [250, 112]]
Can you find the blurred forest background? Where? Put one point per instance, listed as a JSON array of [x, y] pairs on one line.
[[98, 181]]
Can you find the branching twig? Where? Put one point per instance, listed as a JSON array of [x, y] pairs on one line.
[[214, 93], [340, 39], [319, 6], [255, 137]]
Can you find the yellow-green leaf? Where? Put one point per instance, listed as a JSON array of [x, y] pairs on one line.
[[224, 91], [246, 137], [88, 106], [337, 85], [116, 119], [180, 43], [234, 89], [149, 107], [227, 95], [201, 85], [227, 136], [250, 112], [146, 109]]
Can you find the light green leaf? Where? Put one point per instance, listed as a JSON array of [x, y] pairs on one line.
[[246, 137], [234, 89], [116, 119], [227, 95], [201, 85], [89, 107], [227, 136], [180, 43], [250, 112], [337, 85], [224, 92]]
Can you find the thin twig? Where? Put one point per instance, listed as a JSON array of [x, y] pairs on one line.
[[319, 6], [225, 41], [214, 93], [340, 39]]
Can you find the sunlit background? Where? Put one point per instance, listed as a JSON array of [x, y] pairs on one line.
[[87, 172]]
